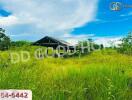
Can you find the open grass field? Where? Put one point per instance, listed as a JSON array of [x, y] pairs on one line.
[[101, 75]]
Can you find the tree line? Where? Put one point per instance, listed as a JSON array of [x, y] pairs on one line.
[[125, 47]]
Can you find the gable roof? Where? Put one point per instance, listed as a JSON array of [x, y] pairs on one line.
[[51, 42]]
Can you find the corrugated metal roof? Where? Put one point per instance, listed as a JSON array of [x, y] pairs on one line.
[[54, 39]]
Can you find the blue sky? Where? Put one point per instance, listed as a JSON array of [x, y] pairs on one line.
[[109, 23], [71, 20]]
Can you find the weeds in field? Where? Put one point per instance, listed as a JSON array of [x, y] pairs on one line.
[[102, 75]]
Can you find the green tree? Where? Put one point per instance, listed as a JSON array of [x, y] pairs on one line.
[[101, 46], [4, 40], [126, 45]]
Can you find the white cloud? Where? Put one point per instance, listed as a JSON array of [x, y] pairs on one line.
[[48, 16], [73, 39], [8, 21], [108, 41], [128, 14]]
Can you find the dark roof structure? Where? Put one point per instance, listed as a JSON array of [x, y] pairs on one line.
[[52, 42]]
